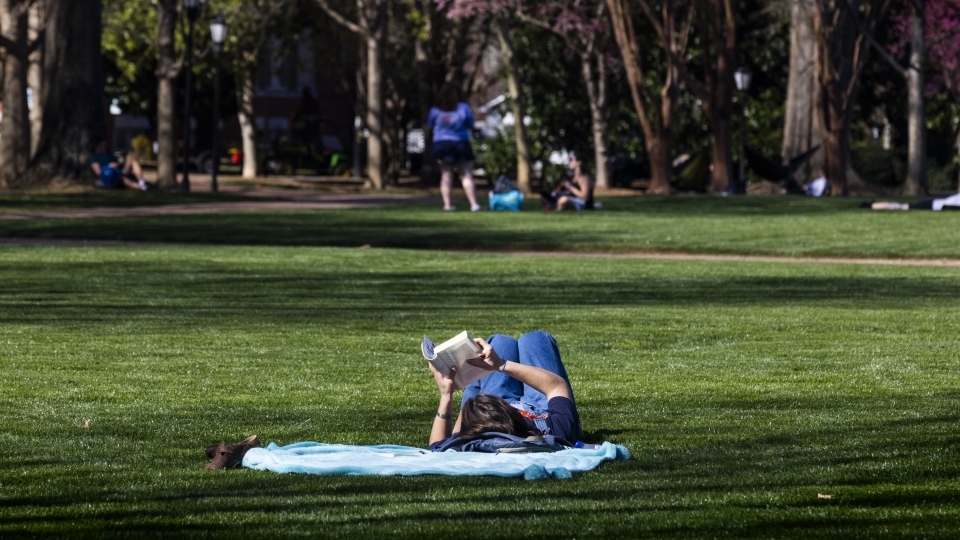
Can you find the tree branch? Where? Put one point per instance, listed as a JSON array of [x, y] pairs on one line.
[[651, 16], [8, 44], [536, 22], [943, 37], [340, 19], [875, 44], [35, 44]]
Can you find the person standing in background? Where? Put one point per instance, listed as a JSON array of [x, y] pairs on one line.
[[450, 122]]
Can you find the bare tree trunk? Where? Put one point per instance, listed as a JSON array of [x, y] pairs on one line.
[[718, 27], [842, 47], [247, 116], [597, 96], [72, 93], [656, 113], [721, 151], [916, 183], [428, 170], [374, 119], [15, 137], [167, 70], [513, 85], [837, 147], [800, 130], [35, 74], [658, 151]]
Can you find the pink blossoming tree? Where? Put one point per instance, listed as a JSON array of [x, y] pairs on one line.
[[938, 21], [582, 25]]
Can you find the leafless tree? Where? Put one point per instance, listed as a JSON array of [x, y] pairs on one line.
[[800, 129], [168, 69], [71, 95], [655, 110], [15, 38], [370, 26], [841, 29]]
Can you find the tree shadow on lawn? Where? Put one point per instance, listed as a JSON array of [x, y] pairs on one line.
[[730, 206], [337, 295], [672, 488], [419, 228], [18, 202]]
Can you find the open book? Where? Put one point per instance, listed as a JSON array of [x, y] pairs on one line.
[[454, 353]]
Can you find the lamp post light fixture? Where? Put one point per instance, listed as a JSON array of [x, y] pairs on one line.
[[192, 8], [742, 79], [218, 33]]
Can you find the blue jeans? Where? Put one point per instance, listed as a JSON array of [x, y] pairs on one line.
[[534, 349]]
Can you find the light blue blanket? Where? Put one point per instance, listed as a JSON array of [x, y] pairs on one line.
[[320, 458]]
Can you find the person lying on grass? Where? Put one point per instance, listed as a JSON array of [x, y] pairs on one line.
[[949, 203], [526, 393]]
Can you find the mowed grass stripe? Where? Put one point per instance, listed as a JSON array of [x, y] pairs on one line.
[[742, 389], [774, 226]]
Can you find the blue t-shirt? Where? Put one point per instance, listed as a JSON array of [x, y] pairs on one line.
[[451, 125], [109, 176], [104, 159], [562, 420]]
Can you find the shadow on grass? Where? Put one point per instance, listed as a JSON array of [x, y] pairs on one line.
[[623, 225], [677, 489], [76, 289], [122, 198]]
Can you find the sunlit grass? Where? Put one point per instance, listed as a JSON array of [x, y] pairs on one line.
[[743, 390], [791, 226]]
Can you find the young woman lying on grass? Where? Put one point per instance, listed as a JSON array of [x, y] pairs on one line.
[[526, 393], [948, 203]]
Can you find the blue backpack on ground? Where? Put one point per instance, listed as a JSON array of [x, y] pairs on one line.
[[505, 195], [510, 201]]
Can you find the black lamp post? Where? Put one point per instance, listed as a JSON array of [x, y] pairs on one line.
[[192, 7], [742, 79], [218, 32]]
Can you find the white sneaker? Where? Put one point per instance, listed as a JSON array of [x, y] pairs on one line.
[[475, 208], [143, 184], [450, 208]]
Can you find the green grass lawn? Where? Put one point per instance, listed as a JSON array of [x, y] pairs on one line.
[[39, 200], [743, 390], [792, 226]]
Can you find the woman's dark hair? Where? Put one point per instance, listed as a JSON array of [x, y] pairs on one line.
[[449, 97], [485, 413]]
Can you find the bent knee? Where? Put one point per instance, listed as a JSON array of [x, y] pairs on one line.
[[538, 336]]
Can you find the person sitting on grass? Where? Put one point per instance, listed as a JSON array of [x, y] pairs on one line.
[[948, 203], [526, 393], [111, 174], [819, 186], [577, 193]]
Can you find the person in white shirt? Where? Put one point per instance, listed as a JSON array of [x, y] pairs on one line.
[[818, 187], [947, 203]]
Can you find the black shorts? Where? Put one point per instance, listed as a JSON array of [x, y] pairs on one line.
[[926, 204], [453, 151]]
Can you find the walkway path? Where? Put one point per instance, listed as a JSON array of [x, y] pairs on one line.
[[739, 258], [560, 254], [318, 201]]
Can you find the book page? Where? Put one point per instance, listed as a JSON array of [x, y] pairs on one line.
[[467, 375], [454, 353]]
